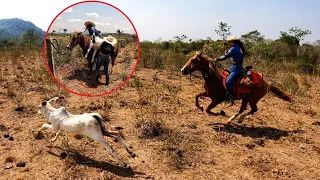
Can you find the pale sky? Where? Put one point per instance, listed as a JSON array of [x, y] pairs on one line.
[[106, 18], [196, 19]]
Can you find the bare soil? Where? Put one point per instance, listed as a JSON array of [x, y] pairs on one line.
[[171, 137]]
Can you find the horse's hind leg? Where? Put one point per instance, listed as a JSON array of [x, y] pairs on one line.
[[254, 108], [243, 107], [197, 100]]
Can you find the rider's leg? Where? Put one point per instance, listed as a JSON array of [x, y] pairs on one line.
[[231, 78], [98, 65], [106, 69]]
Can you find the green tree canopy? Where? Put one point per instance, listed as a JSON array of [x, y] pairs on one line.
[[224, 30], [252, 37], [30, 38]]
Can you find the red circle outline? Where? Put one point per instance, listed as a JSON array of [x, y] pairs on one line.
[[91, 95]]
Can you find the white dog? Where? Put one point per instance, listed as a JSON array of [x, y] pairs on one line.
[[88, 124]]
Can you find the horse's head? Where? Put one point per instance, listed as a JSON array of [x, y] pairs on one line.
[[195, 63], [74, 40]]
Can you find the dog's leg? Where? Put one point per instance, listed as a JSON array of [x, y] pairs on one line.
[[98, 136], [45, 126], [94, 54], [57, 134], [90, 47], [111, 150], [133, 155]]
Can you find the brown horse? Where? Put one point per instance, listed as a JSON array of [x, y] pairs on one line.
[[77, 38], [214, 88]]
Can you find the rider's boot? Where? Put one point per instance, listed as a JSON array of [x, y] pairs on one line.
[[97, 79], [229, 98], [107, 80]]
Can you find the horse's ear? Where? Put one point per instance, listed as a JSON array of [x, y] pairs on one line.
[[44, 103], [199, 53]]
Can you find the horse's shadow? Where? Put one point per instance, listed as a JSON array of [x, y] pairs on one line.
[[253, 132], [73, 155], [84, 75]]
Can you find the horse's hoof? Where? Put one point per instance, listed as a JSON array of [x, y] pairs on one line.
[[128, 167], [133, 155]]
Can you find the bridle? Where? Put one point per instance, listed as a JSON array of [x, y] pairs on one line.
[[75, 41]]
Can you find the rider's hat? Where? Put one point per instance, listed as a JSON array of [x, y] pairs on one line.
[[232, 38], [89, 22], [111, 40]]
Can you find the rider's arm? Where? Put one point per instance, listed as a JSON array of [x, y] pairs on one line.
[[93, 34], [226, 56]]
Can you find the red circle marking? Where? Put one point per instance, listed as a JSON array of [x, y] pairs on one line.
[[91, 95]]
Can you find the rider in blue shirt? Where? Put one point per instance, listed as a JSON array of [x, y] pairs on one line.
[[236, 52], [93, 32]]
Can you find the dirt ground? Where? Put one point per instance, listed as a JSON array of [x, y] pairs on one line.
[[171, 137]]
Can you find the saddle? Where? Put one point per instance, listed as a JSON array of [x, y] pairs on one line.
[[242, 86]]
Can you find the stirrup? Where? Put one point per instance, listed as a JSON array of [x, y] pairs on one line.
[[229, 98]]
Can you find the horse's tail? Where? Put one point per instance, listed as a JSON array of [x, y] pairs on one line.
[[278, 93]]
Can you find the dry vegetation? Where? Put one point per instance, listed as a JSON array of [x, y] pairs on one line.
[[171, 137]]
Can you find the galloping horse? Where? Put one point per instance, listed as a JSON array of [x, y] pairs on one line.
[[77, 38], [215, 89]]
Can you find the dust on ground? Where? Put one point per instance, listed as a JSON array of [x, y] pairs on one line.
[[171, 137]]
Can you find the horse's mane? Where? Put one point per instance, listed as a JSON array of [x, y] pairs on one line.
[[213, 67]]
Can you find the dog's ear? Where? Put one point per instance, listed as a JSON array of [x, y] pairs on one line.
[[44, 103]]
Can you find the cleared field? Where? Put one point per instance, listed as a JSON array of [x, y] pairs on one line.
[[171, 137]]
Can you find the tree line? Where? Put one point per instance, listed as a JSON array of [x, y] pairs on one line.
[[287, 47]]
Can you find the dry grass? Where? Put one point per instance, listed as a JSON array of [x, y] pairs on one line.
[[171, 137]]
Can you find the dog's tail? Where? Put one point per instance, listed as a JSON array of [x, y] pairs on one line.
[[104, 125]]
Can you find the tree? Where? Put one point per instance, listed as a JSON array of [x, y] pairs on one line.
[[317, 43], [289, 39], [252, 37], [294, 37], [299, 33], [119, 31], [30, 38], [224, 30], [65, 30]]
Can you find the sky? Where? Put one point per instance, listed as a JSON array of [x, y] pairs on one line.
[[165, 19], [106, 18]]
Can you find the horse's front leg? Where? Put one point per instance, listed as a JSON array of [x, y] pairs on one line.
[[211, 106], [197, 99]]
